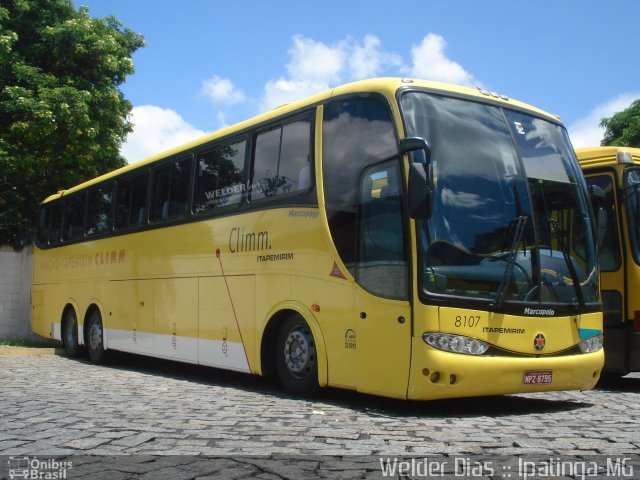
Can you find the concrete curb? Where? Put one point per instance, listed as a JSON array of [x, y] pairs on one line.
[[29, 351]]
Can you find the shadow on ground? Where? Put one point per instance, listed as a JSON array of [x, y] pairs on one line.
[[617, 383], [494, 406]]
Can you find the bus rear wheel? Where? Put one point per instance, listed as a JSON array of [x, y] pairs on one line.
[[70, 333], [95, 338], [296, 358]]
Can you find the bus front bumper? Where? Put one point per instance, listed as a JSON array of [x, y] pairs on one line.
[[437, 374]]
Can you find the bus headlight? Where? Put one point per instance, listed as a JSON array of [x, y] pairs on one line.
[[455, 343], [591, 344]]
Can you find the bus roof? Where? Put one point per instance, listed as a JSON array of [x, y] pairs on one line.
[[593, 157], [386, 86]]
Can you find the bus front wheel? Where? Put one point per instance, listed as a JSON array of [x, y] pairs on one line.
[[296, 358], [95, 338], [70, 333]]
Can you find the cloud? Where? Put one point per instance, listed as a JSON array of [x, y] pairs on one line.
[[311, 60], [430, 62], [315, 66], [222, 90], [282, 91], [367, 60], [156, 130], [312, 68], [586, 132]]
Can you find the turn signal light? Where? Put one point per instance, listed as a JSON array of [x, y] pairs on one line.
[[591, 344]]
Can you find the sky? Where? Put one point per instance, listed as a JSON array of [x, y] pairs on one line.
[[209, 64]]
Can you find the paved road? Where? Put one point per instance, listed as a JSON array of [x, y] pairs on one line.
[[52, 405]]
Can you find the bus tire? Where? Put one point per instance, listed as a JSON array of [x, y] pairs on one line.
[[95, 338], [70, 333], [296, 357]]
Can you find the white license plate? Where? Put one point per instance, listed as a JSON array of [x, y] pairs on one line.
[[537, 377]]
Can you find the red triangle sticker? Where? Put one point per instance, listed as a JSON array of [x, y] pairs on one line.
[[335, 271]]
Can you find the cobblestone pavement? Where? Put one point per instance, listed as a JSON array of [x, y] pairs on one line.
[[160, 414]]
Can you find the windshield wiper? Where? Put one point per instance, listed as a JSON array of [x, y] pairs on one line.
[[519, 224], [555, 227]]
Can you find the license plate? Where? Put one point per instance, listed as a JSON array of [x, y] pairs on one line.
[[537, 377]]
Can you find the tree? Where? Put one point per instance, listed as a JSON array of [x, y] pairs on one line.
[[62, 115], [623, 128]]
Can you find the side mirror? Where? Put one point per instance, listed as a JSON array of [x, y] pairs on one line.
[[597, 200], [420, 189], [416, 144]]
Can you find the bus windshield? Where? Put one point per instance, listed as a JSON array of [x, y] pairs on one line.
[[509, 218]]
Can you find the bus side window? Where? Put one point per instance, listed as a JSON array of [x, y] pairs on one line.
[[610, 259], [131, 201], [170, 194], [74, 209], [231, 174], [295, 156], [55, 229], [42, 231], [99, 209], [219, 178], [356, 133], [282, 159], [265, 164]]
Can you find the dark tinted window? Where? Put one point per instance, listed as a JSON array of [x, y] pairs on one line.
[[356, 133], [73, 217], [609, 253], [265, 165], [282, 160], [131, 201], [382, 264], [631, 198], [612, 308], [295, 156], [171, 190], [55, 232], [219, 178], [100, 209], [42, 231]]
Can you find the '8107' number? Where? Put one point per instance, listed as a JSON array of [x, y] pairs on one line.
[[468, 321]]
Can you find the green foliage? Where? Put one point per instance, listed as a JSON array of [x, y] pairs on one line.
[[623, 128], [62, 115]]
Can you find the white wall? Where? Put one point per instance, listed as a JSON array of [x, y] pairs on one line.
[[15, 293]]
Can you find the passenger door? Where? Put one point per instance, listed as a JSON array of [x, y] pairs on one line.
[[612, 276], [383, 336]]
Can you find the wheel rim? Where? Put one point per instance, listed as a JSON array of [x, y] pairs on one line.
[[95, 335], [299, 351]]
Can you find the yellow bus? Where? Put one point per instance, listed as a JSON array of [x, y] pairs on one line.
[[397, 237], [616, 170]]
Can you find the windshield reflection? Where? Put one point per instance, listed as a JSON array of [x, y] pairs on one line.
[[510, 218]]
